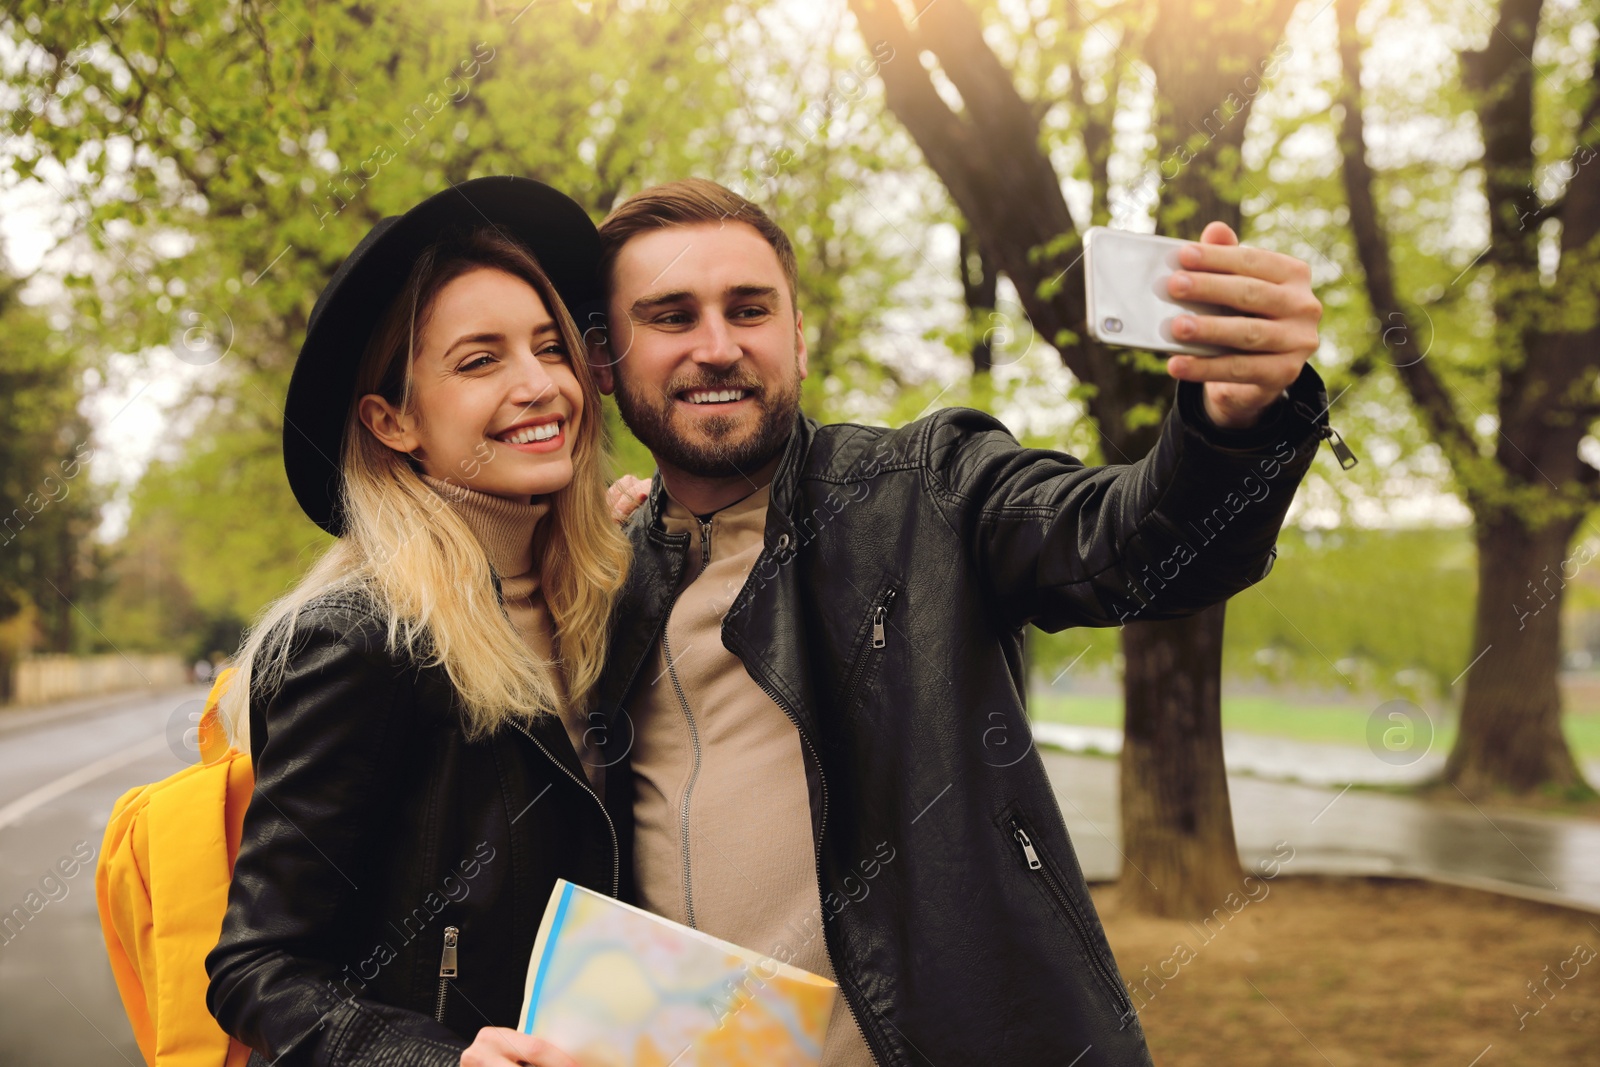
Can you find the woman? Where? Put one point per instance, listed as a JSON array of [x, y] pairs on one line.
[[414, 707]]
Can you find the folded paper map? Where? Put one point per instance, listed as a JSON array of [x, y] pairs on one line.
[[614, 986]]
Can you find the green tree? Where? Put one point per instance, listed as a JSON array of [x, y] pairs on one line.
[[222, 157], [1512, 405], [47, 507]]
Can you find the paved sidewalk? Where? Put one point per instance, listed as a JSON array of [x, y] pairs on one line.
[[1312, 762], [1555, 859]]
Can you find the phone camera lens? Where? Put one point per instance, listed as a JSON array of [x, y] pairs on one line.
[[1112, 324]]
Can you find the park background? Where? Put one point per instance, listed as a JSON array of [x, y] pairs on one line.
[[179, 179]]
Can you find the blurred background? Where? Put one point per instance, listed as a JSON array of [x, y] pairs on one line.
[[1408, 707]]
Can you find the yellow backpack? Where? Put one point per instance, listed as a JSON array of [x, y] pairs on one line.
[[162, 888]]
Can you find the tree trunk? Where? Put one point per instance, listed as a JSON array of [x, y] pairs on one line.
[[1177, 823], [1510, 735]]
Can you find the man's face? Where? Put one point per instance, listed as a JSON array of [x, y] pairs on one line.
[[706, 348]]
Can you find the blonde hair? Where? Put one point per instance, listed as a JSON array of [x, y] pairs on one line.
[[411, 561]]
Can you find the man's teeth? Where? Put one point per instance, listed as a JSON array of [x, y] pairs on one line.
[[528, 434], [714, 396]]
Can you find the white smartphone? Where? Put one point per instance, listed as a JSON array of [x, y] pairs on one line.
[[1125, 275]]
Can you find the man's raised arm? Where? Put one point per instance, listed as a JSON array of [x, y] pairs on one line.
[[1191, 523]]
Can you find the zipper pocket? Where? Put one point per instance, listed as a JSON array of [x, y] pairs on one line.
[[447, 968], [1030, 856], [879, 638]]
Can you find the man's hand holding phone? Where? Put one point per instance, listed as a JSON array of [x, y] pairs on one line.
[[1274, 338], [1241, 320]]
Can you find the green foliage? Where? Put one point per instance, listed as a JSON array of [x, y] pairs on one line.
[[253, 551], [220, 159], [628, 454], [1374, 610], [47, 505], [268, 140], [1381, 609]]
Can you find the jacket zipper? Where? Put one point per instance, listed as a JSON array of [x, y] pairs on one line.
[[694, 728], [822, 783], [447, 968], [616, 849], [694, 773], [1325, 432], [880, 638], [1031, 856]]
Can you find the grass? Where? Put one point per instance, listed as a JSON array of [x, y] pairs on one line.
[[1269, 716]]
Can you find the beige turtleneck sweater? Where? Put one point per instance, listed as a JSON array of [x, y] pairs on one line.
[[505, 529]]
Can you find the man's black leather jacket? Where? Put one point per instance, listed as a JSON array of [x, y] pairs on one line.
[[885, 616], [376, 836]]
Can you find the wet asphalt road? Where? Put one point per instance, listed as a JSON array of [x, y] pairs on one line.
[[60, 772]]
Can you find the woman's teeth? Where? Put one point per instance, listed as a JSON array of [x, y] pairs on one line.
[[714, 396], [529, 434]]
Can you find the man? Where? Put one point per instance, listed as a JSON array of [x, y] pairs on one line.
[[823, 625]]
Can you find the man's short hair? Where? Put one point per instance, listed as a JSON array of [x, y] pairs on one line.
[[686, 203]]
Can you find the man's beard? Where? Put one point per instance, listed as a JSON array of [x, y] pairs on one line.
[[650, 418]]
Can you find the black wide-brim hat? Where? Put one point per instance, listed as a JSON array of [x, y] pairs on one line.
[[321, 391]]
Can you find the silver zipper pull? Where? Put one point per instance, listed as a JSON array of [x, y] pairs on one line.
[[1027, 850], [447, 960], [879, 617], [1341, 451], [705, 542]]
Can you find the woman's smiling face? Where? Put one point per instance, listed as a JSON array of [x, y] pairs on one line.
[[495, 404]]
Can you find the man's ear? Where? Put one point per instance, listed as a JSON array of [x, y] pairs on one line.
[[388, 423], [597, 349], [800, 342]]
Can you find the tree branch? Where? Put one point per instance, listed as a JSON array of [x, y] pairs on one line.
[[1094, 129], [1372, 249], [991, 162]]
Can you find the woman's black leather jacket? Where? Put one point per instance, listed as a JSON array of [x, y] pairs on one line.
[[391, 874]]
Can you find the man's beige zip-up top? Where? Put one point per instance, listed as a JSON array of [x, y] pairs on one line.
[[722, 836]]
